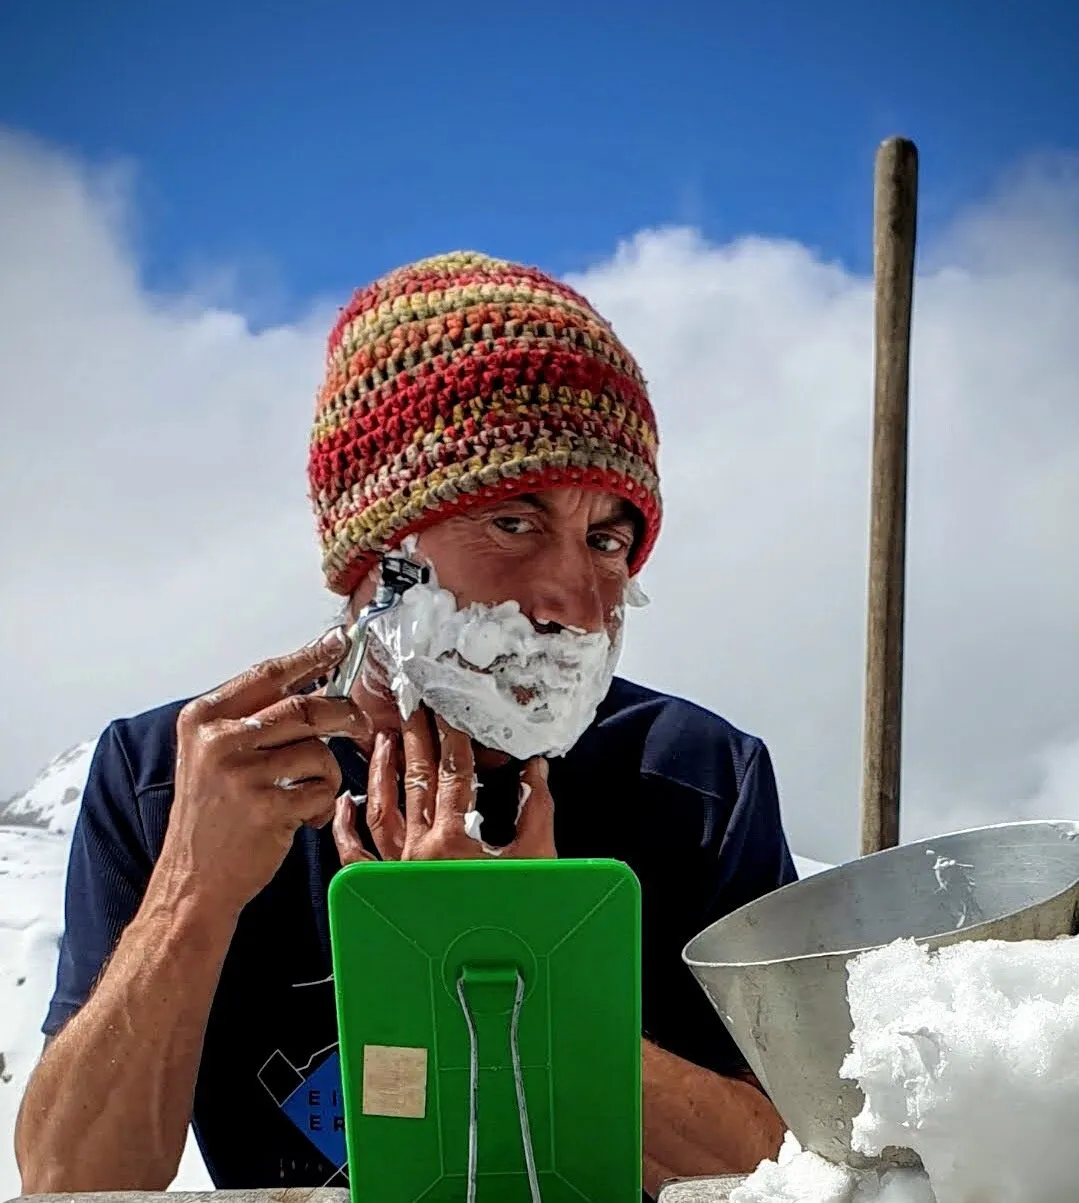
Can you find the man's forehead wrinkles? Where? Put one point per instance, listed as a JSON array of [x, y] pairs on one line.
[[530, 500], [613, 510]]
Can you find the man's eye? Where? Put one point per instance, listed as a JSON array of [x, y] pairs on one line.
[[607, 543], [514, 526]]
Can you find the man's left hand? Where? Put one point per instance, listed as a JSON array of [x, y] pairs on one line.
[[440, 790]]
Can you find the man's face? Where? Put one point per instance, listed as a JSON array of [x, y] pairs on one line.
[[561, 554]]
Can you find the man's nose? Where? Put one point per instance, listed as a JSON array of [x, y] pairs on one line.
[[565, 592]]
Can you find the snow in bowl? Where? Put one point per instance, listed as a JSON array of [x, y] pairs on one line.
[[776, 970]]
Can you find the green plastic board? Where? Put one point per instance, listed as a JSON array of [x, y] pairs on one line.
[[408, 938]]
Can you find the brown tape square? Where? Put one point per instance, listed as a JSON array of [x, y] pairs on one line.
[[394, 1081]]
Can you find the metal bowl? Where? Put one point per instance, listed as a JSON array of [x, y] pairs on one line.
[[775, 970]]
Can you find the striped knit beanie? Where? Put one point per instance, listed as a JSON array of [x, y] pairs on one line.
[[460, 380]]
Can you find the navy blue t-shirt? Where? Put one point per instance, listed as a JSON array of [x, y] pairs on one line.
[[677, 793]]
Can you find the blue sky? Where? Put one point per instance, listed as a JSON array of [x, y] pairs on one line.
[[313, 144]]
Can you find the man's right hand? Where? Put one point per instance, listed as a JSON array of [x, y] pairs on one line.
[[251, 769], [440, 786]]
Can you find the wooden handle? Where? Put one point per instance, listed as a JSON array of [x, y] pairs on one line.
[[894, 231]]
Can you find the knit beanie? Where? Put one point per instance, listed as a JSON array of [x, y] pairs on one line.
[[460, 380]]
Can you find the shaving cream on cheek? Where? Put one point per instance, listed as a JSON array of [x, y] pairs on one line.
[[635, 595], [489, 673]]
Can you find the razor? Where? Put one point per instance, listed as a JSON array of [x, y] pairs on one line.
[[397, 576]]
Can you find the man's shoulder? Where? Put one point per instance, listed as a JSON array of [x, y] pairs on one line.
[[627, 700], [145, 746], [676, 738]]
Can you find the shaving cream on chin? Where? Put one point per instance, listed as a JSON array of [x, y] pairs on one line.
[[488, 672]]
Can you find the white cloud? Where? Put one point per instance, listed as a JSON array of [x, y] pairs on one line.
[[155, 528], [157, 537]]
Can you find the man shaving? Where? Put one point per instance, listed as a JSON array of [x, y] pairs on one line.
[[482, 419]]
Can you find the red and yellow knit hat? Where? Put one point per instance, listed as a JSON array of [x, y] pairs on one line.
[[462, 379]]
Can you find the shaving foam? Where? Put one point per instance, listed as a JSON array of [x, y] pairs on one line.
[[488, 672]]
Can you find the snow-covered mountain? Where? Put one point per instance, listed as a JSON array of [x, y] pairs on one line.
[[52, 802], [35, 834]]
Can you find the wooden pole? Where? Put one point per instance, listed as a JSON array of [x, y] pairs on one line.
[[895, 206]]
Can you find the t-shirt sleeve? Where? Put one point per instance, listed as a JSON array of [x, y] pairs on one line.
[[748, 858], [108, 869], [754, 857]]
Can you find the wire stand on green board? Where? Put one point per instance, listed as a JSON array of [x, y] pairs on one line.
[[474, 1090]]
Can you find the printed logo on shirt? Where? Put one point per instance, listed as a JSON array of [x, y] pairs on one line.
[[309, 1094]]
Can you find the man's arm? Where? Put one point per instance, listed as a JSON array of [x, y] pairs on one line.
[[704, 1113], [697, 1122], [109, 1103]]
